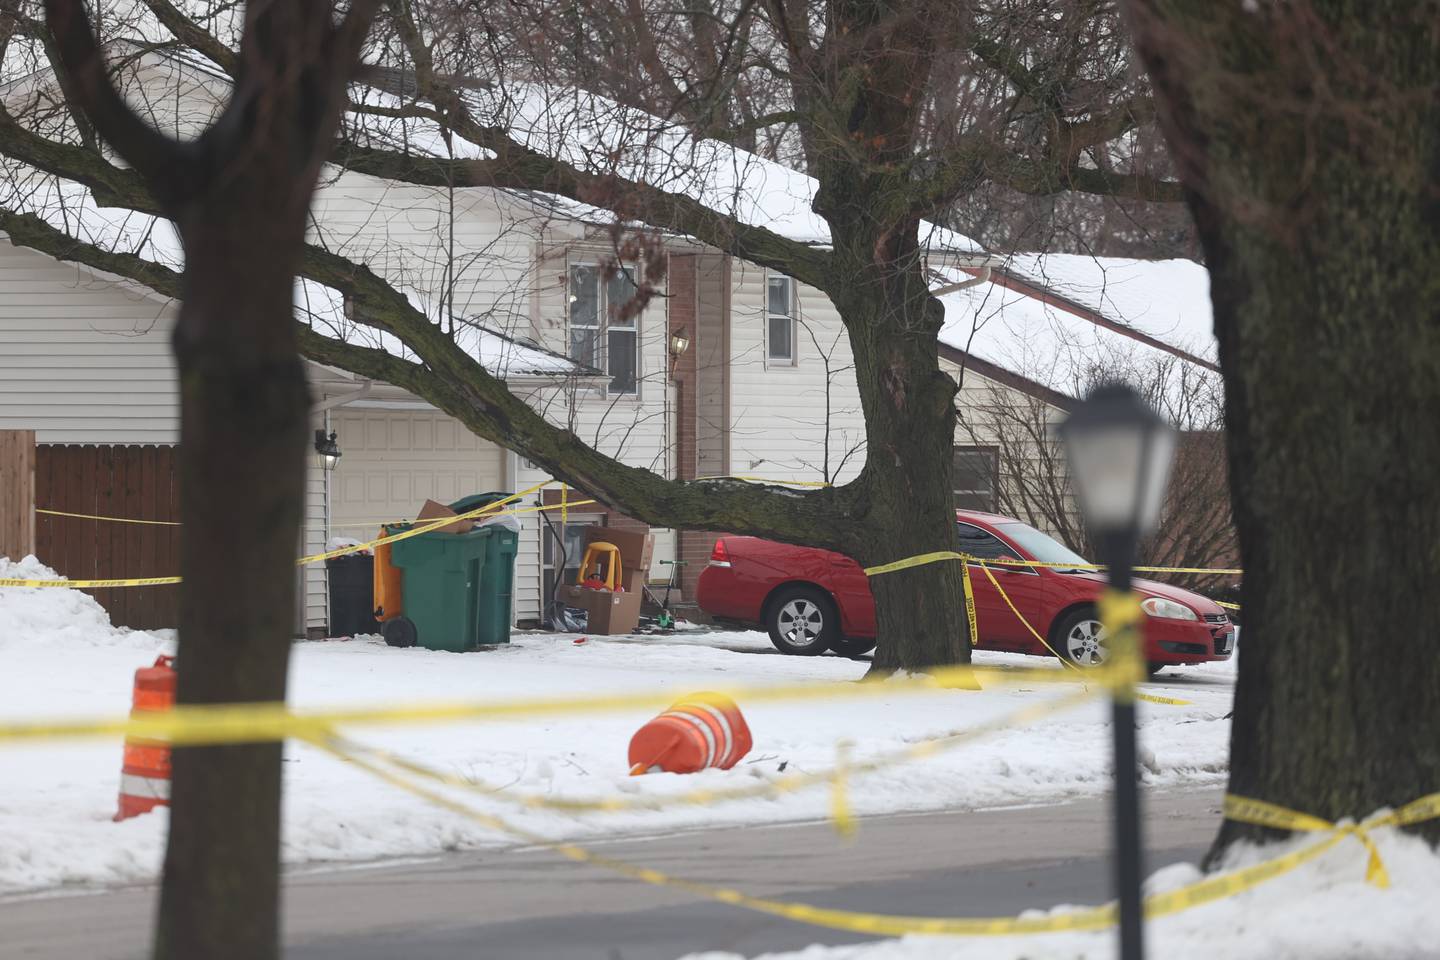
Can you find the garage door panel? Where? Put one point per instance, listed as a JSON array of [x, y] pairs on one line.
[[394, 461], [445, 434], [423, 433], [375, 433], [400, 433], [401, 489], [351, 488]]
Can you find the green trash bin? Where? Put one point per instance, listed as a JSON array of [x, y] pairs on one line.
[[457, 588]]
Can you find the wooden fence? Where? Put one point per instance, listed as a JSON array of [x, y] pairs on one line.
[[132, 482], [17, 493]]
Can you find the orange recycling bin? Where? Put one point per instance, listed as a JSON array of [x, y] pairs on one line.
[[388, 578], [701, 731], [145, 770]]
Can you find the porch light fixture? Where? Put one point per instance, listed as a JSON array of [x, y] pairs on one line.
[[327, 451], [679, 341], [1120, 451]]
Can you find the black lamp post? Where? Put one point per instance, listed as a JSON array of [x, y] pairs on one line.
[[1120, 453], [327, 451]]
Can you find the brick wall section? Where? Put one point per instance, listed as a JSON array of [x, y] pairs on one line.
[[692, 546]]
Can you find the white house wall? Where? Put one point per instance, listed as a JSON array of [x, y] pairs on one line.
[[779, 413], [85, 358], [630, 428]]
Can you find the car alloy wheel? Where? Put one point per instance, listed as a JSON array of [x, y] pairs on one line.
[[801, 621], [1086, 643]]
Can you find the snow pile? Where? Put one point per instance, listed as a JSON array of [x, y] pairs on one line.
[[1322, 911], [55, 619], [57, 798]]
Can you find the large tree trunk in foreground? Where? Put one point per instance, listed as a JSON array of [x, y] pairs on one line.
[[244, 417], [239, 196], [1310, 137]]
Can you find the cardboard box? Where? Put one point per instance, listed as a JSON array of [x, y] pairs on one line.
[[434, 511], [614, 612]]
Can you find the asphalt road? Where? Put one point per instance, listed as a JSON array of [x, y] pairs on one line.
[[507, 905]]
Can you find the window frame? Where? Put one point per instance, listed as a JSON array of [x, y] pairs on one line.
[[992, 565], [993, 452], [602, 326], [578, 521], [793, 318]]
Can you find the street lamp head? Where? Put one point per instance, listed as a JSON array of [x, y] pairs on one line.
[[1120, 452], [327, 451], [679, 342]]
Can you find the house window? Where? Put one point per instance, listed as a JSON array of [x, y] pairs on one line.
[[780, 319], [976, 469], [564, 561], [601, 334]]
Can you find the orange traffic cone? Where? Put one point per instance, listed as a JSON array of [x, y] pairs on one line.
[[700, 731], [145, 774]]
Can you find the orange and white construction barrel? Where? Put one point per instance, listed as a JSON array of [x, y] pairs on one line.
[[701, 731], [145, 771]]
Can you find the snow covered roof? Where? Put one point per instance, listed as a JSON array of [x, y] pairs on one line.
[[69, 207], [1165, 299], [597, 135], [1165, 302]]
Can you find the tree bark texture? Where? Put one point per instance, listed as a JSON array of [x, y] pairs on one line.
[[908, 507], [244, 414], [1309, 137], [239, 196]]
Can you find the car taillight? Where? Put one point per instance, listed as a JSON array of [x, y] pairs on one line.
[[719, 556]]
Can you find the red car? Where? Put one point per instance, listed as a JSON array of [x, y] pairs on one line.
[[812, 600]]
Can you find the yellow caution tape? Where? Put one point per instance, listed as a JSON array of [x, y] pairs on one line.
[[91, 516], [89, 584], [1095, 918], [778, 786], [970, 606], [1228, 606], [1265, 814], [225, 723], [840, 813], [939, 556], [425, 527]]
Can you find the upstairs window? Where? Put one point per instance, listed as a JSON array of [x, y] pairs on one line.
[[600, 335], [976, 469], [780, 319]]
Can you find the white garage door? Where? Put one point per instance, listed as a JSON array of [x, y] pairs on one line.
[[392, 462]]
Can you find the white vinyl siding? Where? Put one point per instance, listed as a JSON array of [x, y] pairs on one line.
[[83, 359], [778, 423]]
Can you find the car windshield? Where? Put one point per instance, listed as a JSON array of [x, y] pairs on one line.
[[1041, 546]]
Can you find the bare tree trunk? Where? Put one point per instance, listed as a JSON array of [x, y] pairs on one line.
[[1309, 135], [239, 195], [909, 407], [244, 417]]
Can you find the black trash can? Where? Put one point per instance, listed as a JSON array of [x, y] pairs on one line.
[[352, 594]]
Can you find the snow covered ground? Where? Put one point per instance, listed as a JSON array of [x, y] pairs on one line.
[[1322, 911], [61, 657]]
